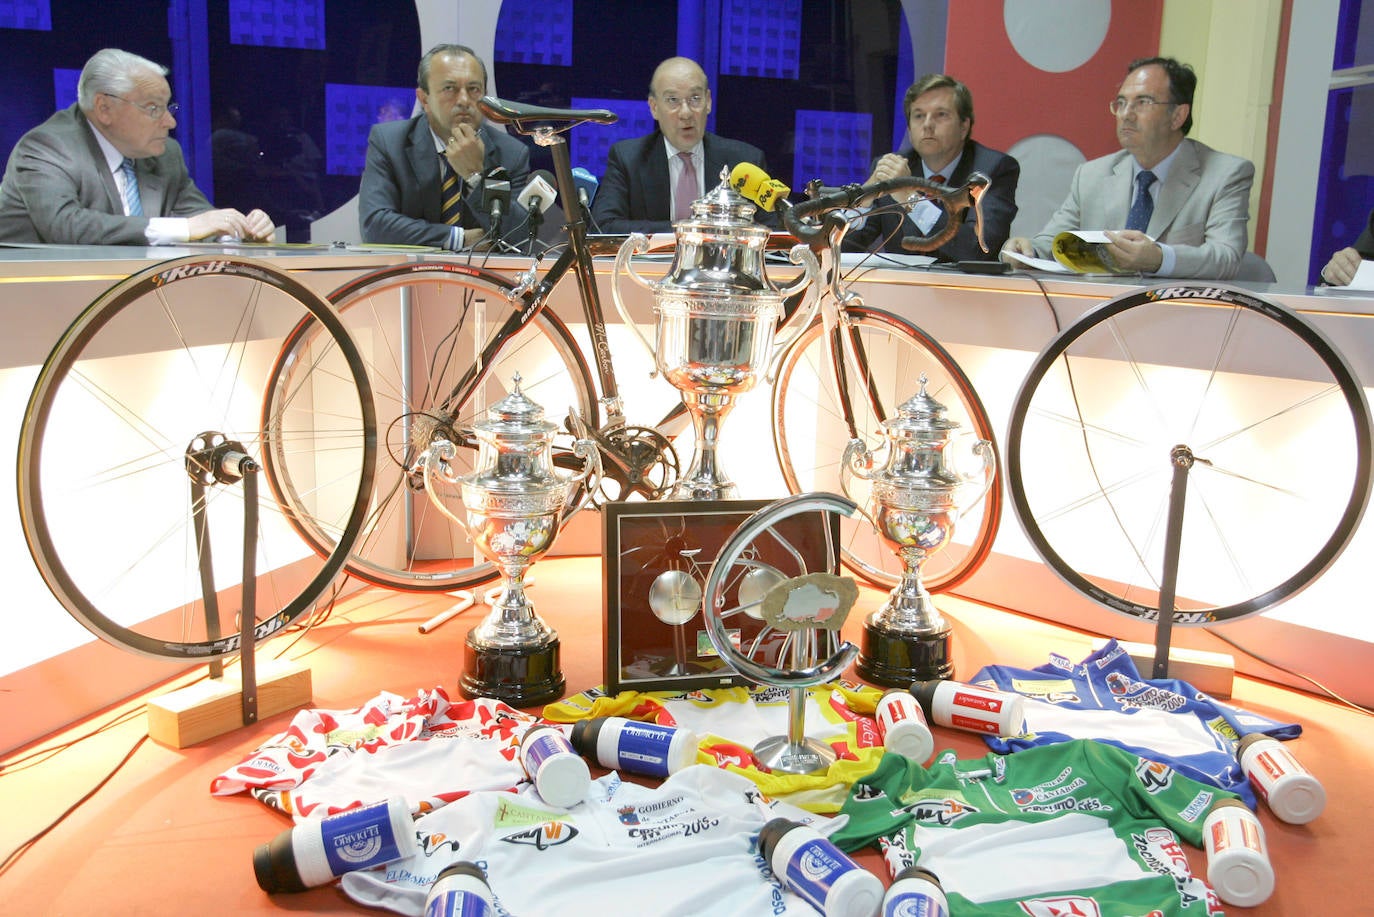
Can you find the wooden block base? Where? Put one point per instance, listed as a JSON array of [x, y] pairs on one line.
[[1213, 673], [213, 707]]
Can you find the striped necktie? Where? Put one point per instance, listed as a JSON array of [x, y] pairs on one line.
[[450, 194], [133, 204]]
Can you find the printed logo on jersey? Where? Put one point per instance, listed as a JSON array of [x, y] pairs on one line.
[[1198, 808], [1132, 694], [431, 844], [1155, 777], [542, 837], [936, 807], [1051, 690], [511, 814], [1063, 906], [864, 792], [1162, 853]]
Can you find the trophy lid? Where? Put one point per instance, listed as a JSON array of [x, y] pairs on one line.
[[920, 413], [723, 205], [515, 415]]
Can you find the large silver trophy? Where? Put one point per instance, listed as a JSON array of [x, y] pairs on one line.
[[915, 506], [716, 315], [514, 500]]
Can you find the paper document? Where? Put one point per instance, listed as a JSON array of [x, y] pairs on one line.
[[885, 259], [1364, 278], [1037, 264], [1082, 252]]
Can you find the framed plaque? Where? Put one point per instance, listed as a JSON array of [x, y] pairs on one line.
[[656, 557]]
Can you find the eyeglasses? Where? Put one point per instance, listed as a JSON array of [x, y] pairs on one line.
[[1120, 106], [154, 110], [673, 103]]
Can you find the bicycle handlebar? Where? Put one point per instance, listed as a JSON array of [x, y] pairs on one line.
[[815, 221]]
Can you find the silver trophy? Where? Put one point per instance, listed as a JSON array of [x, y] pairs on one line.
[[514, 501], [915, 506], [716, 316]]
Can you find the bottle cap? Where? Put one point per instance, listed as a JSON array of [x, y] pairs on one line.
[[461, 868], [274, 865], [924, 692], [585, 734], [918, 872], [771, 833], [1247, 740]]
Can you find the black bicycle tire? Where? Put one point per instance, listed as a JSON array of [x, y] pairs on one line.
[[70, 346], [898, 328], [357, 290], [1224, 295]]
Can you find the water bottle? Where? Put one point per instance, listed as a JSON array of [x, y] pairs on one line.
[[810, 865], [641, 748], [318, 850]]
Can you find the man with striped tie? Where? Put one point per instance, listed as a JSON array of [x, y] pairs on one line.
[[424, 177], [105, 171]]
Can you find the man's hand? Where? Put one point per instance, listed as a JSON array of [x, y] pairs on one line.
[[215, 224], [1132, 250], [1020, 245], [464, 151], [1340, 270], [889, 165], [260, 227]]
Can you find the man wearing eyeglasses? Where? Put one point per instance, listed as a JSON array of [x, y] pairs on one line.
[[1192, 200], [650, 182], [423, 180], [105, 171]]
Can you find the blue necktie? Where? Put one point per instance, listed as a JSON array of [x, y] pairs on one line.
[[1143, 206], [132, 203]]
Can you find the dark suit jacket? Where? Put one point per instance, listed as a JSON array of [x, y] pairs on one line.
[[634, 195], [999, 209], [57, 188], [1365, 243], [398, 198]]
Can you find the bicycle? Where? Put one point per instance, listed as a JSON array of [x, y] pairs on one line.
[[458, 367], [355, 390]]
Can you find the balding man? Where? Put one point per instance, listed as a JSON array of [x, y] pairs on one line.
[[650, 182]]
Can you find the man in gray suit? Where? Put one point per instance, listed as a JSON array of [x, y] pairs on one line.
[[1190, 199], [104, 171], [424, 177]]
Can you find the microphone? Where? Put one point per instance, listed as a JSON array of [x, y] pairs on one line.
[[537, 197], [496, 197], [754, 184], [587, 183]]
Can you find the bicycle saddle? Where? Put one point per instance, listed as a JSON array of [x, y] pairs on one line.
[[527, 118]]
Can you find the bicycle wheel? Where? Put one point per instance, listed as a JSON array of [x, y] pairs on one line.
[[144, 400], [809, 434], [1274, 417], [421, 329]]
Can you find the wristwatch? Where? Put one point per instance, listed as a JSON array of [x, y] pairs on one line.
[[474, 180]]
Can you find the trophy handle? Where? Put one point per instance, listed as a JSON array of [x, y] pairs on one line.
[[811, 269], [435, 460], [586, 450], [637, 242], [984, 477]]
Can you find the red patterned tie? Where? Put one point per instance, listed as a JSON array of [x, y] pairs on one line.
[[686, 189], [937, 179]]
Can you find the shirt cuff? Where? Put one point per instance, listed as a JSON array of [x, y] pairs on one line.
[[167, 230], [1167, 262]]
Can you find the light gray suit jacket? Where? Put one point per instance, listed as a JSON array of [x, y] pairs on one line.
[[57, 188], [1202, 210]]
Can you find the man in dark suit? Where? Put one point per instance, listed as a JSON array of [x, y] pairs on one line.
[[1172, 206], [651, 181], [1340, 270], [423, 180], [105, 171], [939, 117]]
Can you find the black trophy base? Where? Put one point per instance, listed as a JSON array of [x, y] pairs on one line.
[[519, 677], [894, 660]]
